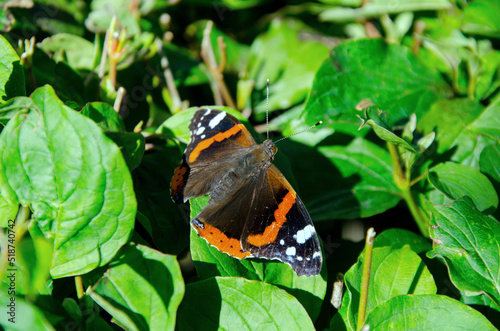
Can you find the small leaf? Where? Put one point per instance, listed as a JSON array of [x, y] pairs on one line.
[[11, 72], [78, 52], [234, 303], [142, 289], [104, 115], [456, 180], [426, 312], [468, 242], [132, 146]]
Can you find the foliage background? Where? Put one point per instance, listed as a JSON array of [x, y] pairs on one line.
[[95, 102]]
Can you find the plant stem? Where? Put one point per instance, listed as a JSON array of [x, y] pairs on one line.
[[79, 287], [208, 56], [365, 278], [404, 184]]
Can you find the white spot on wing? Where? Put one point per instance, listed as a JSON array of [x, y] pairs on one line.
[[291, 251], [316, 254], [200, 130], [207, 112], [299, 258], [216, 120], [202, 136], [304, 234], [282, 242]]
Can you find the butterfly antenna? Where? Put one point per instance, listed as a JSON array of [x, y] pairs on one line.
[[302, 131], [267, 109]]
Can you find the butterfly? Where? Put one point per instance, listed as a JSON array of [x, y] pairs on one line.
[[253, 211]]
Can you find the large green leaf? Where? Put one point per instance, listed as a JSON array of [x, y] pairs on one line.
[[142, 289], [394, 272], [389, 75], [11, 72], [481, 17], [210, 262], [235, 303], [469, 243], [358, 183], [426, 312], [73, 177], [456, 180]]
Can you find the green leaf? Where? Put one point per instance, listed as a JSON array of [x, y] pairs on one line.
[[456, 180], [426, 312], [394, 272], [73, 177], [234, 303], [141, 290], [359, 183], [398, 238], [481, 17], [468, 242], [210, 262], [288, 61], [369, 68], [76, 51], [132, 146], [12, 106], [166, 222], [489, 162], [464, 126], [449, 118], [25, 315], [8, 211], [390, 137], [377, 8], [33, 265], [104, 115], [11, 72], [65, 80]]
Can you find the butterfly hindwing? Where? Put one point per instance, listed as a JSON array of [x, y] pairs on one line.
[[280, 226]]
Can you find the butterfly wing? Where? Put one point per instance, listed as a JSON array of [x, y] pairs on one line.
[[217, 140], [263, 218], [279, 226]]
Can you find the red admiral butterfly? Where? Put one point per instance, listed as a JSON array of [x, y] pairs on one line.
[[253, 211]]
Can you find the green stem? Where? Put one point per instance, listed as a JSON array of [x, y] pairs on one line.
[[365, 278], [404, 184], [79, 287]]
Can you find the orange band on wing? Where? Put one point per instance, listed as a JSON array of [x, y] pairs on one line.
[[271, 232], [223, 243], [218, 137]]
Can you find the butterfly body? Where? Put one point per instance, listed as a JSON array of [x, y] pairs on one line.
[[253, 211]]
